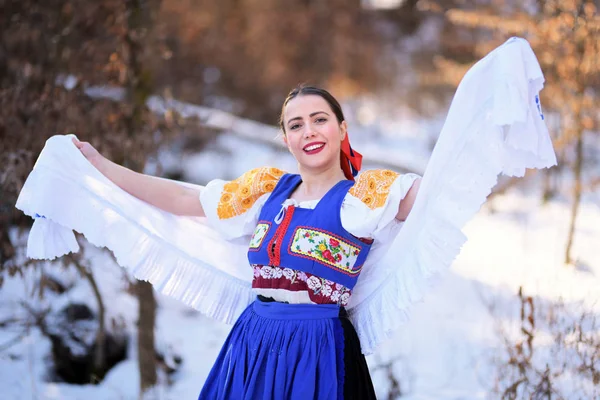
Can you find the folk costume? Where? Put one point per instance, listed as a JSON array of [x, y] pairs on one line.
[[310, 256], [287, 274]]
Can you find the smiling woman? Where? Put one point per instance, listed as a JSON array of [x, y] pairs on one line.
[[310, 112], [314, 231], [315, 268]]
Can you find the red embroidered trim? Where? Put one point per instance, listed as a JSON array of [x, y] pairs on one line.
[[276, 242]]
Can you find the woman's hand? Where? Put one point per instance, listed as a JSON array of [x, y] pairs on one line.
[[88, 152]]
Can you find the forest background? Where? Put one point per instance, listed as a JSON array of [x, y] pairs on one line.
[[96, 68]]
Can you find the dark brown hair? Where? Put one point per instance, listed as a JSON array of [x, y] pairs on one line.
[[303, 90]]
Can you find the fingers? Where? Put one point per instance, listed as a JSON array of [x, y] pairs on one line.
[[77, 143]]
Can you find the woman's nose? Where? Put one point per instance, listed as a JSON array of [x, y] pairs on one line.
[[309, 131]]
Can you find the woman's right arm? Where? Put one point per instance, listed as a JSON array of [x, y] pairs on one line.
[[161, 193]]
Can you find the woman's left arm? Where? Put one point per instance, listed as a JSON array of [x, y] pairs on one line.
[[407, 202]]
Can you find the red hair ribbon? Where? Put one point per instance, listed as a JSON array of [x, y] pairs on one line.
[[350, 160]]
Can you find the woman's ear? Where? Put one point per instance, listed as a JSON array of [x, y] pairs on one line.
[[285, 141], [344, 129]]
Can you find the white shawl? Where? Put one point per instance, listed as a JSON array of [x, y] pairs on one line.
[[495, 125]]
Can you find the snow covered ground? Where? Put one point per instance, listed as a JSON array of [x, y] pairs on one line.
[[444, 352]]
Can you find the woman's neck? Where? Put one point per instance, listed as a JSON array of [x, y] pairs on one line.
[[316, 184]]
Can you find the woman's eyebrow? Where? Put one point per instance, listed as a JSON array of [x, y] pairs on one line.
[[311, 115]]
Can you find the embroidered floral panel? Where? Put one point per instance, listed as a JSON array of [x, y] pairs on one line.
[[372, 187], [259, 235], [240, 194], [327, 249], [321, 291]]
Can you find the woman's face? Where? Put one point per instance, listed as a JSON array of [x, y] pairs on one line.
[[312, 132]]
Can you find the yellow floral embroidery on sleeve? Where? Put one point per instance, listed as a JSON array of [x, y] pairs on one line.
[[373, 187], [240, 194]]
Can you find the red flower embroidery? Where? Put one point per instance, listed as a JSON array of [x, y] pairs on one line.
[[307, 234], [333, 242], [327, 255], [338, 257]]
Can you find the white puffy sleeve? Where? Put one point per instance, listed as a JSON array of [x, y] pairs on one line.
[[369, 209], [494, 126], [233, 207], [201, 264]]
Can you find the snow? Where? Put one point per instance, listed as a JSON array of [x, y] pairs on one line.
[[446, 350]]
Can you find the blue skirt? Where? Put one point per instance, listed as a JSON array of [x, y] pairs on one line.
[[289, 351]]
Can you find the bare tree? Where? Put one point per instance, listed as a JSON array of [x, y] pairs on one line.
[[566, 332], [140, 16], [45, 48]]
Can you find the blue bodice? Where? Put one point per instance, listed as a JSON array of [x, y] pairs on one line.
[[309, 240]]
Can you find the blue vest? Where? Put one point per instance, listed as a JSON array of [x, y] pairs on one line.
[[309, 240]]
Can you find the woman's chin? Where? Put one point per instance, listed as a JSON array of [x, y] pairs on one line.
[[314, 165]]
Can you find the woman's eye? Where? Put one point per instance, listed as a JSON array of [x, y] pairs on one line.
[[294, 127], [319, 120]]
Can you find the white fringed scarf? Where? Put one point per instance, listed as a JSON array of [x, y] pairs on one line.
[[495, 125]]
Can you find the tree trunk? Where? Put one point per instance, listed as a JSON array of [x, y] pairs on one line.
[[139, 88], [146, 352], [576, 193], [548, 191], [99, 354]]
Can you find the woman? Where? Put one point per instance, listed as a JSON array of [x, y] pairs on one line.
[[319, 242], [302, 344]]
